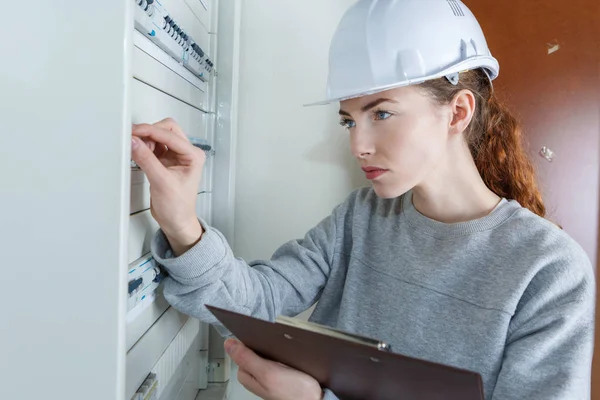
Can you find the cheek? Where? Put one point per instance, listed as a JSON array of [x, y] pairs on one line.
[[412, 145]]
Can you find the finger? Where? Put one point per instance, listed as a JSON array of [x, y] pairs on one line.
[[160, 150], [247, 360], [167, 158], [170, 125], [147, 161], [175, 143], [250, 383], [151, 144]]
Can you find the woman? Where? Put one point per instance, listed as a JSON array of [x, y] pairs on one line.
[[447, 257]]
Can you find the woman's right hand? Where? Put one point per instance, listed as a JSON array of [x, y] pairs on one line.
[[174, 169]]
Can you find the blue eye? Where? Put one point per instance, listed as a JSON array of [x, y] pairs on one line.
[[380, 115], [347, 123]]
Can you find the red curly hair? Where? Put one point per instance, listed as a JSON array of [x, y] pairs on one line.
[[495, 140]]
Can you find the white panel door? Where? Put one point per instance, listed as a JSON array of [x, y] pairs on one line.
[[65, 147]]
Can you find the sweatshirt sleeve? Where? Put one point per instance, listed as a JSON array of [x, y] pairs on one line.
[[549, 348], [287, 284]]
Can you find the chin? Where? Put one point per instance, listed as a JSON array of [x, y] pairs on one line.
[[389, 192]]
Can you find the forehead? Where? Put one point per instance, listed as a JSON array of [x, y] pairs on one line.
[[399, 95]]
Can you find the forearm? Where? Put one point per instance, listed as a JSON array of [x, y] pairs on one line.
[[209, 273], [185, 239], [205, 271]]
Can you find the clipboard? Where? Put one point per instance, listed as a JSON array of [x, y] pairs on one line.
[[353, 367]]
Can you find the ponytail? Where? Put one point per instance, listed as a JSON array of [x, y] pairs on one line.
[[495, 140], [502, 161]]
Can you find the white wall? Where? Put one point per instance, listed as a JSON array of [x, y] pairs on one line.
[[293, 163]]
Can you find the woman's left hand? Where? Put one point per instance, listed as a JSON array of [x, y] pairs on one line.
[[271, 380]]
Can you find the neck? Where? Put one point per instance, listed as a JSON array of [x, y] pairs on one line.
[[454, 192]]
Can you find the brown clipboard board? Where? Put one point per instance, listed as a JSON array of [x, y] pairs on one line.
[[349, 369]]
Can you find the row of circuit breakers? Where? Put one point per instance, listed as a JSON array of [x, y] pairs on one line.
[[144, 278], [154, 21]]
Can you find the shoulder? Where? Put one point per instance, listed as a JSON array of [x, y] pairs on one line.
[[540, 237], [559, 291], [556, 263]]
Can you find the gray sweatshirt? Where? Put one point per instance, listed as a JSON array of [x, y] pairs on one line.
[[510, 295]]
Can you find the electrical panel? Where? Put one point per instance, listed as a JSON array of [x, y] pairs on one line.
[[156, 59], [172, 77], [153, 20]]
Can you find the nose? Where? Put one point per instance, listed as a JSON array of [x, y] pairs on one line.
[[361, 144]]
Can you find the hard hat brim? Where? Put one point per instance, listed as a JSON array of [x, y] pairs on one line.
[[488, 63]]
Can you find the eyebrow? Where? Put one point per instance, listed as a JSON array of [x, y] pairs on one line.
[[370, 105]]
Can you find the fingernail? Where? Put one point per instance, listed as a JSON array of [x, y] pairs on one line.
[[230, 346], [135, 143]]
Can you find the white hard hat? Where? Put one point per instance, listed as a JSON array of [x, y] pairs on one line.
[[385, 44]]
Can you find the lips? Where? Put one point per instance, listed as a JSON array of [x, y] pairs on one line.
[[373, 172]]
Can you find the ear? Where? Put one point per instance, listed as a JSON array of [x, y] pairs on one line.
[[463, 109]]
